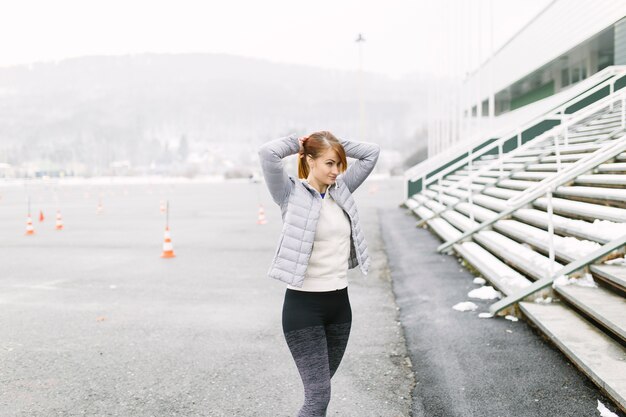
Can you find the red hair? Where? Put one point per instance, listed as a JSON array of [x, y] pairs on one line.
[[316, 144]]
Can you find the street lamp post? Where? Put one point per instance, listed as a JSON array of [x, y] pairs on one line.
[[359, 40]]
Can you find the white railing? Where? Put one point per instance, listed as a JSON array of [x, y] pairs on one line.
[[542, 185], [554, 132], [421, 170], [587, 163]]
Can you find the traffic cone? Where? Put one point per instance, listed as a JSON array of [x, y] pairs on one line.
[[99, 208], [59, 223], [30, 230], [162, 206], [261, 217], [168, 250], [41, 218]]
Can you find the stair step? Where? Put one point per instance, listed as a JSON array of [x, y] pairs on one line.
[[480, 213], [411, 203], [504, 278], [598, 193], [531, 152], [613, 274], [492, 203], [459, 221], [601, 179], [476, 180], [476, 187], [604, 124], [577, 148], [445, 199], [608, 118], [566, 248], [532, 263], [596, 130], [516, 184], [601, 231], [455, 192], [587, 211], [522, 159], [600, 357], [503, 193], [532, 176], [435, 206], [548, 166], [489, 173], [443, 229], [612, 167], [423, 213], [601, 304], [567, 157]]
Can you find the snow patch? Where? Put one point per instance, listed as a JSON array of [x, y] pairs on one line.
[[577, 248], [485, 292], [510, 317], [465, 306], [609, 228], [585, 281], [616, 261], [485, 315], [605, 412], [542, 300], [479, 280]]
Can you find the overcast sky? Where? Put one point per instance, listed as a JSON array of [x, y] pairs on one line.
[[401, 36]]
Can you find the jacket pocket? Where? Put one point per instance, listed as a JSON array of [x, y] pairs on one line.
[[280, 242]]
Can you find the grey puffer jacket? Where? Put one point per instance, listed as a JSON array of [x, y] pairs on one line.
[[300, 205]]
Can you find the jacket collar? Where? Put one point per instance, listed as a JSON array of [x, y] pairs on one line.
[[310, 187]]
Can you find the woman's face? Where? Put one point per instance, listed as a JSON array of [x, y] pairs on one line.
[[326, 167]]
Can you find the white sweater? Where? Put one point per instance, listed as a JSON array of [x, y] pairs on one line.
[[327, 269]]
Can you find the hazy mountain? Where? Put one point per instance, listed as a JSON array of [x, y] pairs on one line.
[[93, 111]]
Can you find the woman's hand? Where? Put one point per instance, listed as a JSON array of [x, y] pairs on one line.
[[302, 139]]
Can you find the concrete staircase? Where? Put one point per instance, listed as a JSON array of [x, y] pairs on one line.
[[588, 323]]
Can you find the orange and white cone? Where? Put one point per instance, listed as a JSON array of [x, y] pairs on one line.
[[41, 218], [168, 249], [99, 208], [162, 206], [261, 217], [30, 230], [59, 223]]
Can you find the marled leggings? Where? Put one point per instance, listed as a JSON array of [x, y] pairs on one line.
[[316, 326]]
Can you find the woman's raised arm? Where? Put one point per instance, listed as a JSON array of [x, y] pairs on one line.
[[366, 154], [271, 156]]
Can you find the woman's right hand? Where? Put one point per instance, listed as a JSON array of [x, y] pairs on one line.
[[302, 139]]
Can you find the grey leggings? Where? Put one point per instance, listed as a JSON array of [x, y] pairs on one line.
[[316, 326]]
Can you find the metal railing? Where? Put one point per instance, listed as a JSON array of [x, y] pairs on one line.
[[539, 188], [544, 137], [422, 170], [594, 159], [567, 269]]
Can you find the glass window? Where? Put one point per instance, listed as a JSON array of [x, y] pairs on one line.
[[564, 77]]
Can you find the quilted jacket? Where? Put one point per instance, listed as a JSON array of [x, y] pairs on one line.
[[300, 205]]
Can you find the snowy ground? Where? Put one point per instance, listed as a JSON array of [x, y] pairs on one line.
[[95, 323]]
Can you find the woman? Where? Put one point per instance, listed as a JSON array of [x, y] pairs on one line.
[[321, 239]]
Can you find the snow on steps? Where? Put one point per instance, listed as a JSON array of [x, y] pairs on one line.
[[601, 231], [587, 211], [601, 179], [503, 277]]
